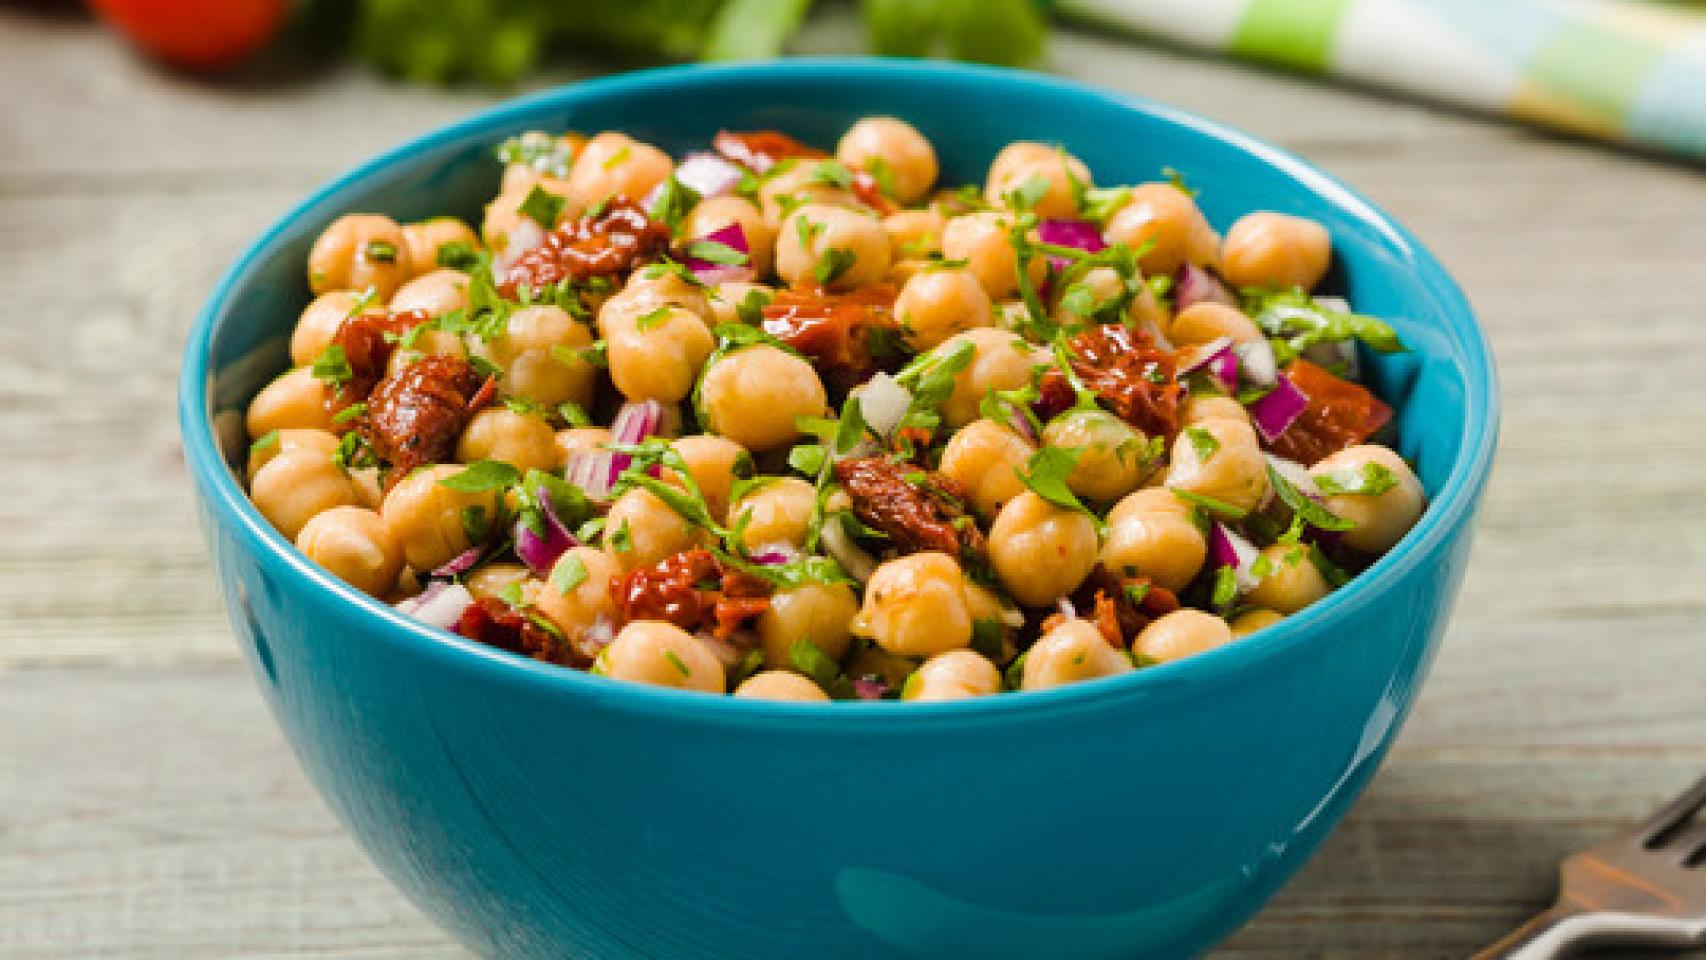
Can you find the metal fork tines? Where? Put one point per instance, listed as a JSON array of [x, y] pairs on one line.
[[1646, 887]]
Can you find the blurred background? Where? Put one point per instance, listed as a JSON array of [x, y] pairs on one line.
[[1548, 150]]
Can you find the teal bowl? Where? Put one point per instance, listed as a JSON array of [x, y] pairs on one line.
[[540, 812]]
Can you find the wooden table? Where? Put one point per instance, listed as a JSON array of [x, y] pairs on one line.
[[148, 807]]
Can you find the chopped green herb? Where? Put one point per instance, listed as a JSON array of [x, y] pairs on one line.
[[882, 174], [834, 262], [1225, 587], [808, 658], [651, 319], [1298, 321], [481, 476], [1219, 508], [352, 412], [539, 150], [1101, 203], [1025, 197], [380, 251], [1203, 442], [1046, 472], [1335, 575], [712, 251], [1136, 592], [1177, 179], [1372, 480], [988, 637], [457, 255], [573, 414], [618, 158], [542, 207], [750, 310], [265, 441], [676, 662], [622, 538], [832, 173], [674, 200], [807, 458], [332, 366], [1302, 506], [475, 523]]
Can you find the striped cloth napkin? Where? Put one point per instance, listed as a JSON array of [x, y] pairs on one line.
[[1627, 70]]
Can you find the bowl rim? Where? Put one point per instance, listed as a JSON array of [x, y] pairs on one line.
[[1451, 506]]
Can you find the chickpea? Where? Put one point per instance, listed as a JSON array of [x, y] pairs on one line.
[[1114, 457], [615, 164], [955, 675], [430, 519], [800, 183], [293, 401], [1208, 321], [1000, 360], [1165, 216], [430, 343], [1250, 621], [426, 239], [1220, 459], [1041, 552], [723, 304], [1202, 407], [834, 247], [711, 462], [657, 355], [938, 303], [1072, 652], [982, 240], [493, 579], [1151, 534], [1289, 580], [359, 250], [319, 324], [779, 512], [754, 395], [1021, 162], [1383, 519], [915, 606], [715, 213], [663, 654], [523, 440], [1180, 634], [295, 485], [646, 291], [577, 440], [356, 546], [984, 457], [820, 612], [653, 530], [1265, 249], [781, 685], [540, 353], [915, 233], [434, 293], [576, 595], [892, 151], [317, 442]]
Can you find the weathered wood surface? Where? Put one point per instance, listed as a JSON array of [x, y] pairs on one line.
[[148, 808]]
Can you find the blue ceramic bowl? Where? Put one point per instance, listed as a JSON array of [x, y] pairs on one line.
[[540, 812]]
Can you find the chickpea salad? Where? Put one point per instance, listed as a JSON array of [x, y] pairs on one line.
[[802, 425]]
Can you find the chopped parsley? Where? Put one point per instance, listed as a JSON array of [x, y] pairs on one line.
[[673, 202], [265, 441], [622, 538], [352, 412], [1203, 442], [1025, 197], [541, 151], [835, 262], [651, 319], [712, 251], [542, 207], [832, 173], [989, 637], [1225, 590], [618, 158], [1300, 321], [380, 251], [332, 366], [1177, 179], [676, 662], [481, 476], [573, 414], [1303, 507], [1219, 508], [475, 523], [809, 659], [1046, 473], [457, 255], [1372, 480]]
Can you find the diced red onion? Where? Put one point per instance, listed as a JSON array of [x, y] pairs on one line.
[[633, 424], [1217, 359], [1277, 410], [441, 607], [1077, 234], [1257, 363], [1022, 426], [708, 174], [541, 553], [1193, 285], [870, 687], [1227, 548], [733, 237], [590, 470], [459, 564], [858, 564], [883, 402], [773, 555]]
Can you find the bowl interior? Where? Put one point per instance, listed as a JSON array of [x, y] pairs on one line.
[[1443, 388]]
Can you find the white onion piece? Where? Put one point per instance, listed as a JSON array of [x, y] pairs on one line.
[[858, 564], [524, 236], [442, 608], [591, 471], [1228, 548], [1198, 357], [1067, 610], [883, 403], [1256, 362], [708, 174]]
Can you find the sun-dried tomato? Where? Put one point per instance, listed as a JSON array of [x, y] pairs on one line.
[[1135, 379], [834, 330], [613, 239], [926, 512], [492, 621], [415, 416], [1106, 601], [693, 590], [759, 150], [1340, 414], [368, 340]]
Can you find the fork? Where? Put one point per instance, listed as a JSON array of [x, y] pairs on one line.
[[1646, 887]]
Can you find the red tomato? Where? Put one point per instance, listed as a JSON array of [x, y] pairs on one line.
[[197, 34]]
